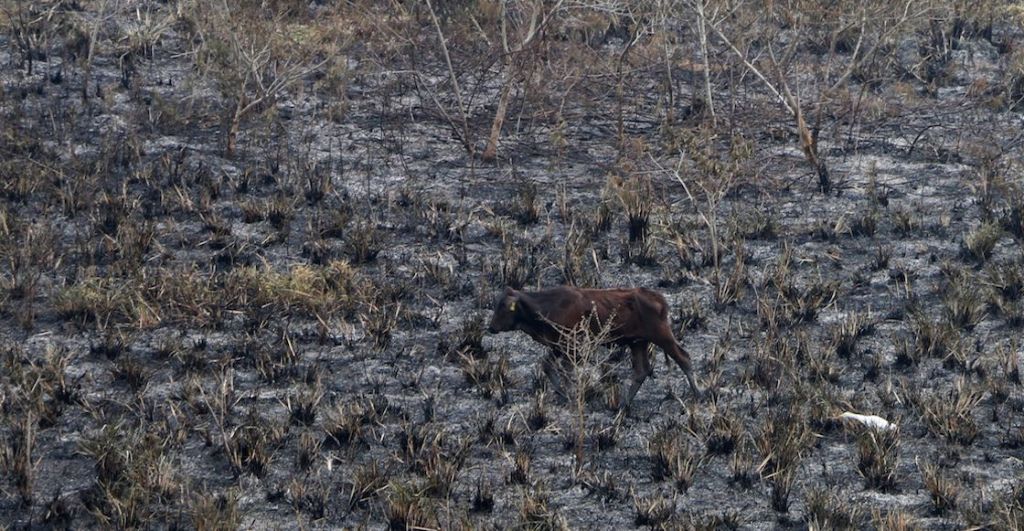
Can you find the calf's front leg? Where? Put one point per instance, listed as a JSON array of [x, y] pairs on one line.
[[641, 358], [552, 367]]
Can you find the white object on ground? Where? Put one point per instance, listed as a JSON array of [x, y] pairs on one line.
[[871, 421]]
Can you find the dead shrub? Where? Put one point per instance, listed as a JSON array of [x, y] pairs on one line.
[[781, 440], [878, 457], [827, 509], [653, 511], [951, 415], [673, 458], [944, 492]]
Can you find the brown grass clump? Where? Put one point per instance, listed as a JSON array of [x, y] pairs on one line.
[[673, 458], [878, 457], [367, 482], [320, 291], [829, 510], [536, 513], [944, 491], [654, 511], [895, 520], [979, 243], [781, 441], [951, 416], [406, 508], [215, 512]]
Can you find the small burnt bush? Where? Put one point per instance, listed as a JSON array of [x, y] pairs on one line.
[[364, 242], [979, 243], [407, 508], [525, 209], [864, 225], [654, 511], [878, 457], [951, 415], [963, 303], [368, 480], [725, 433], [673, 458], [845, 335], [829, 510], [519, 264], [782, 441], [483, 497], [944, 492]]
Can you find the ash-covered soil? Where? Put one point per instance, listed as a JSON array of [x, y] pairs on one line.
[[292, 335]]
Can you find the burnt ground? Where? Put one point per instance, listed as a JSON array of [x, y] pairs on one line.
[[293, 336]]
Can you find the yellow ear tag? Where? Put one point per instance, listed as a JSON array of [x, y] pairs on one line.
[[512, 307]]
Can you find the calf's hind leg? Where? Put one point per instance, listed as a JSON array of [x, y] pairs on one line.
[[671, 347]]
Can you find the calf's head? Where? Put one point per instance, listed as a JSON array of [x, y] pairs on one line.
[[505, 311]]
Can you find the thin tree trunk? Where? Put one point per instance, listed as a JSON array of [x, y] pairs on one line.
[[233, 127], [702, 33], [491, 150], [467, 142]]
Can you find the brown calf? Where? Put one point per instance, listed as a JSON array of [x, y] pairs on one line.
[[638, 316]]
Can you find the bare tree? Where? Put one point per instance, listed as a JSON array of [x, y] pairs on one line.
[[105, 8], [524, 23], [874, 23], [31, 25], [707, 12], [253, 65], [465, 135]]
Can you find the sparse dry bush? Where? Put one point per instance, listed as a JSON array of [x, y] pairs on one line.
[[16, 457], [951, 415], [932, 339], [981, 241], [654, 511], [380, 320], [845, 335], [944, 491], [782, 441], [483, 497], [580, 267], [774, 360], [878, 457], [134, 475], [1008, 510], [535, 513], [827, 509], [250, 446], [519, 264], [724, 434], [364, 242], [344, 422], [253, 56], [368, 481], [895, 520], [407, 508], [215, 512], [673, 458], [526, 210], [964, 306], [492, 377], [520, 474]]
